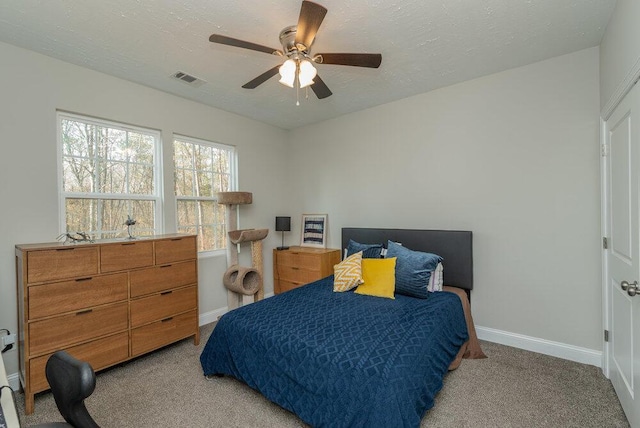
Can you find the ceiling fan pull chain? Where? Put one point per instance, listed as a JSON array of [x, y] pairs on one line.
[[297, 84]]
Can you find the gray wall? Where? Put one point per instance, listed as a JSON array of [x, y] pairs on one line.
[[620, 49], [514, 157], [33, 86]]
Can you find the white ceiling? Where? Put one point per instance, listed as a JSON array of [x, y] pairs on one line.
[[425, 44]]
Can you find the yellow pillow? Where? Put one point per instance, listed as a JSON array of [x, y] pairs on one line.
[[348, 273], [379, 277]]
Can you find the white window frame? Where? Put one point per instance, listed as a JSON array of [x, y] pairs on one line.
[[233, 180], [157, 179]]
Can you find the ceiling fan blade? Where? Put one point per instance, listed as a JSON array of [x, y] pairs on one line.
[[262, 78], [224, 40], [311, 16], [354, 59], [320, 88]]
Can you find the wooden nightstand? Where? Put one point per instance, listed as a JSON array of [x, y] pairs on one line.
[[301, 265]]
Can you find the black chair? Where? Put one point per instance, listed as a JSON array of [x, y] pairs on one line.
[[71, 381]]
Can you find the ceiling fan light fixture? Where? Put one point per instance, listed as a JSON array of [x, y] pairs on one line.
[[307, 74], [288, 73]]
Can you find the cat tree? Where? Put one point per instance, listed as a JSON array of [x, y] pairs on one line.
[[244, 284]]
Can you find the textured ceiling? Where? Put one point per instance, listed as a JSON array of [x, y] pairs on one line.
[[425, 44]]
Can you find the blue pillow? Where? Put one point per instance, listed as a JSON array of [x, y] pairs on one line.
[[369, 251], [413, 269]]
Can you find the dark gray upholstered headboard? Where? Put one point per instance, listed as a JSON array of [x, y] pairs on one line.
[[454, 246]]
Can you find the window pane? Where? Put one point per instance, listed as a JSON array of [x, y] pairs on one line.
[[183, 154], [141, 179], [184, 182], [113, 177], [143, 214], [116, 144], [204, 184], [82, 215], [77, 175]]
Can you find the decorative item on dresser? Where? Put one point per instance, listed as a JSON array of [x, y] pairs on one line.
[[298, 266], [103, 302], [314, 230]]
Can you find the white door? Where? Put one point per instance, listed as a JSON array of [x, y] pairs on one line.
[[622, 137]]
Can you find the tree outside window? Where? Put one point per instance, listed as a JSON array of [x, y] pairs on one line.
[[109, 172]]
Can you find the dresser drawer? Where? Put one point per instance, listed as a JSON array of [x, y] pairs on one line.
[[160, 333], [100, 354], [61, 263], [175, 250], [161, 278], [163, 305], [59, 297], [307, 261], [126, 255], [58, 332]]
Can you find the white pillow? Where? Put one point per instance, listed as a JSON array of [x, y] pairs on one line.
[[435, 282]]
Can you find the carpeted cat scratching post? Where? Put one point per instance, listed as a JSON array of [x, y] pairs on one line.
[[244, 284]]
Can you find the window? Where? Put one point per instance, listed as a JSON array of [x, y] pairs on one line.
[[109, 171], [202, 169]]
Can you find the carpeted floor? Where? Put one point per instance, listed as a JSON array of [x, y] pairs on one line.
[[511, 388]]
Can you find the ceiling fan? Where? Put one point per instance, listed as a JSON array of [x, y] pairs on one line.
[[296, 43]]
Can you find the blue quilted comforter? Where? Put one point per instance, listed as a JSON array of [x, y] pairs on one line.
[[341, 359]]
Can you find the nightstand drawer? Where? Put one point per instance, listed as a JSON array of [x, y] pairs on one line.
[[163, 305], [126, 255], [59, 332], [297, 275], [59, 297], [62, 263], [100, 353], [299, 260], [161, 278], [160, 333]]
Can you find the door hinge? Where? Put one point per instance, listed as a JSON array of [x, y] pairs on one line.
[[606, 335], [604, 150], [605, 243]]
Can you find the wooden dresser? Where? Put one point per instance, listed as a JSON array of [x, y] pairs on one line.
[[301, 265], [103, 302]]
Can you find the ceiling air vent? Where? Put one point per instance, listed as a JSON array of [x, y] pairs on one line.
[[188, 79]]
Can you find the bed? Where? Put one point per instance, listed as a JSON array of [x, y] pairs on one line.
[[350, 360]]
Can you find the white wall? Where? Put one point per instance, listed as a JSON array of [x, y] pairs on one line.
[[513, 157], [619, 50], [33, 86]]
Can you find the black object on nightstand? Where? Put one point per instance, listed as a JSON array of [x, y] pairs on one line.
[[283, 224]]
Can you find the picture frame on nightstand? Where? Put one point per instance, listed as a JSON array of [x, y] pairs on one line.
[[314, 230]]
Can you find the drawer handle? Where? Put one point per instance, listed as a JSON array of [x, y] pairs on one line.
[[65, 249], [164, 266], [164, 293], [84, 279], [176, 239], [84, 312], [129, 243], [167, 319], [295, 268]]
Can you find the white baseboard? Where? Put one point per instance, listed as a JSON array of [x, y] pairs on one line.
[[14, 381], [212, 316], [541, 346]]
